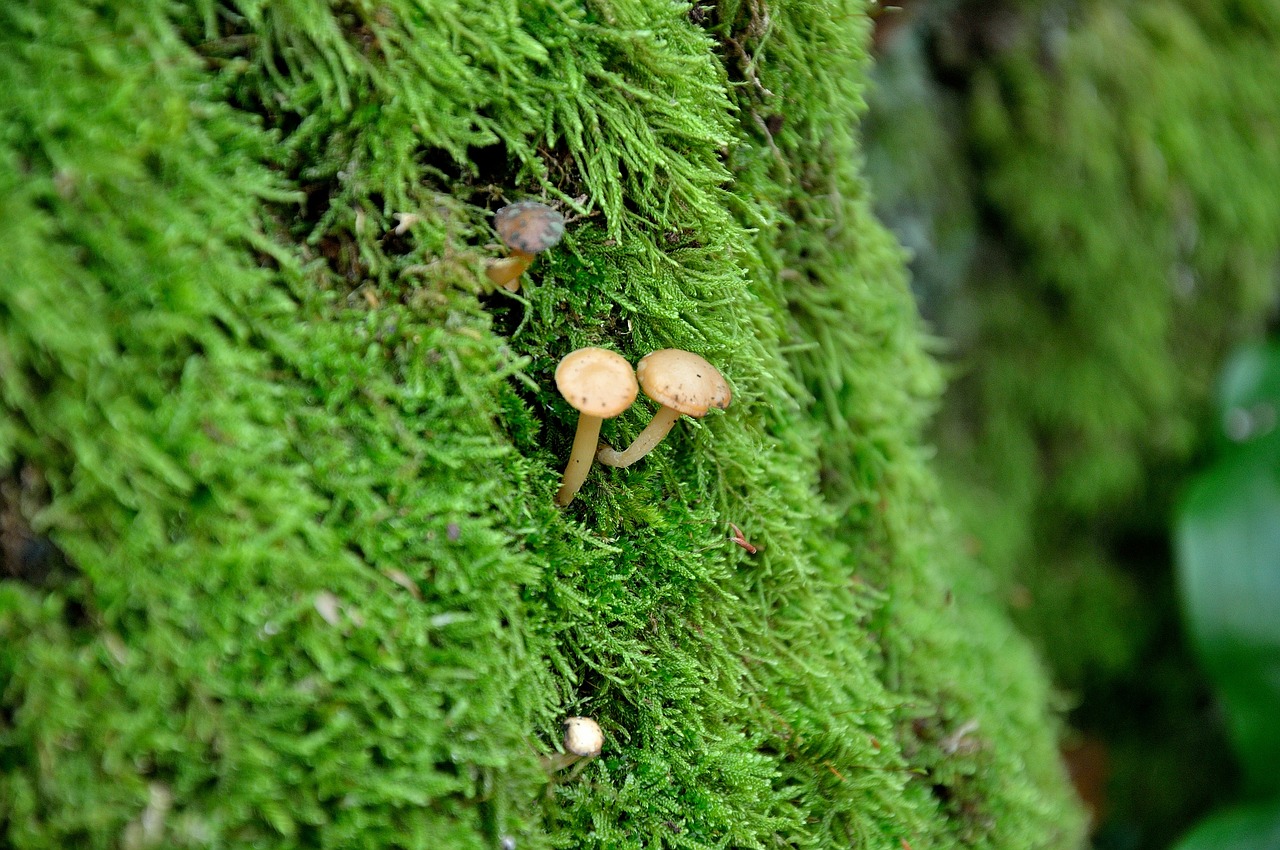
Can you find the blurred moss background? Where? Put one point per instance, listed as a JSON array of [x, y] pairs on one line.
[[1089, 193]]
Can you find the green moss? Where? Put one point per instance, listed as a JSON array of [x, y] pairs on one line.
[[303, 465]]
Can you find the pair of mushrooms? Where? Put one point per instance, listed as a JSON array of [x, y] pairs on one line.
[[600, 385]]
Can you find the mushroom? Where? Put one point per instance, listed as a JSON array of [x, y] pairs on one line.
[[582, 739], [527, 228], [599, 385], [682, 383]]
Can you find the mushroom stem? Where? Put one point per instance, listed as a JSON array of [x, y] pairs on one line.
[[643, 444], [559, 761], [584, 446], [506, 271]]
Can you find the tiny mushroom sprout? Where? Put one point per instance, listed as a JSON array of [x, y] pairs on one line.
[[527, 228], [582, 737], [582, 740], [682, 383], [599, 385]]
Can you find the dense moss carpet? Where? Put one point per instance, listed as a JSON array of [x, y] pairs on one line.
[[282, 563]]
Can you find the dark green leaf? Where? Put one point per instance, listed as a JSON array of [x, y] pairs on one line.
[[1228, 537], [1254, 827]]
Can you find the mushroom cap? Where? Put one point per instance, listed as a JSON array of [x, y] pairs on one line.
[[596, 382], [683, 381], [528, 226], [582, 736]]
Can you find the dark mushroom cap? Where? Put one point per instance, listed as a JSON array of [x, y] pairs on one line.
[[529, 226], [597, 382], [683, 381]]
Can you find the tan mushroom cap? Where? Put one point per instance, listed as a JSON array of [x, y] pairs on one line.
[[596, 382], [582, 736], [528, 226], [683, 381]]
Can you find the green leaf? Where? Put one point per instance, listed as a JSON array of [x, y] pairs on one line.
[[1228, 539], [1255, 827]]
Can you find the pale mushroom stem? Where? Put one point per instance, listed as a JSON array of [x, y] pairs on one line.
[[506, 272], [645, 443], [580, 457], [559, 761]]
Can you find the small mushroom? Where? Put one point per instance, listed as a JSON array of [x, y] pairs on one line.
[[582, 740], [527, 228], [599, 385], [682, 383]]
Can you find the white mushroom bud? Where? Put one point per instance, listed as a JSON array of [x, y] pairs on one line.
[[582, 736], [582, 740]]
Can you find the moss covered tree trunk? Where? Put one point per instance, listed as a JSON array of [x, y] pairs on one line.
[[282, 566]]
